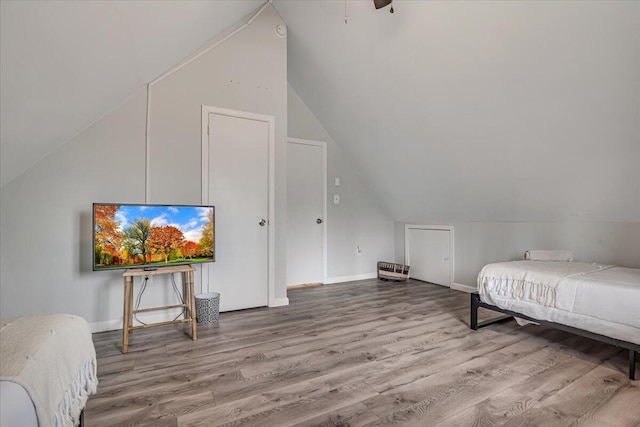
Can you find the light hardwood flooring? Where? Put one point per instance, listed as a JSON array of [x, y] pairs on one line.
[[365, 353]]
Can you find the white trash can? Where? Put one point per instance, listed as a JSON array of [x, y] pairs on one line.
[[208, 308]]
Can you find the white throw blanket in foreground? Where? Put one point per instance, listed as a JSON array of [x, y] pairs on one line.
[[535, 281], [53, 358]]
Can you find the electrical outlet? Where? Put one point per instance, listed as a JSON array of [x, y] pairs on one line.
[[336, 199]]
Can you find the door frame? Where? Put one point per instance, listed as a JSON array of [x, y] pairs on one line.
[[323, 146], [270, 121], [407, 254]]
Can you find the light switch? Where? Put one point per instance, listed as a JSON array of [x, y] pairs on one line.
[[336, 199], [337, 182]]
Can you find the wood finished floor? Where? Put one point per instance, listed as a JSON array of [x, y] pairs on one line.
[[365, 353]]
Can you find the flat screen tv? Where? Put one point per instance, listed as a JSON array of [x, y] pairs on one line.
[[151, 236]]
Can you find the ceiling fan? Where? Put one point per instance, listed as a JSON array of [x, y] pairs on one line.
[[382, 3]]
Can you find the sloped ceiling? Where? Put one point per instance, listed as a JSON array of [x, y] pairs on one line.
[[479, 111], [449, 110], [64, 64]]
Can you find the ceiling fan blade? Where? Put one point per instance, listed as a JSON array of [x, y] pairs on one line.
[[381, 3]]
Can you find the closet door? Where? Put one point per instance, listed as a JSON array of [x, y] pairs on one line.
[[237, 177], [306, 189]]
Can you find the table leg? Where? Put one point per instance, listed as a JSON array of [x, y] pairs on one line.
[[185, 296], [127, 315], [192, 304]]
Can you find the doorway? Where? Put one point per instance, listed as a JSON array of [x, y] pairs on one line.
[[306, 212], [237, 178]]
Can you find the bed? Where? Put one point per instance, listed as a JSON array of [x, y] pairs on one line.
[[598, 301], [47, 370]]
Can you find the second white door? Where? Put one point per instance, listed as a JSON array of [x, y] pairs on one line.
[[305, 212], [238, 186]]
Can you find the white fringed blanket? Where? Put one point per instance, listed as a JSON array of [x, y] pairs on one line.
[[535, 281], [53, 358]]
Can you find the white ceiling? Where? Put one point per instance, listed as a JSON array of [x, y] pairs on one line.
[[449, 110]]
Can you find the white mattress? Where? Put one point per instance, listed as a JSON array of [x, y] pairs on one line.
[[605, 301], [16, 407]]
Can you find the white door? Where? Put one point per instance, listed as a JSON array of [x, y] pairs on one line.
[[238, 187], [305, 212], [429, 253]]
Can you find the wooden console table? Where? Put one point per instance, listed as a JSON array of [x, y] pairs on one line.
[[189, 304]]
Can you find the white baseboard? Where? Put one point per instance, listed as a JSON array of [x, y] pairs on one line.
[[114, 325], [464, 288], [106, 325], [340, 279], [278, 302]]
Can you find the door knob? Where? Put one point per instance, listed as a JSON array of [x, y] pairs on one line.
[[262, 222], [318, 221]]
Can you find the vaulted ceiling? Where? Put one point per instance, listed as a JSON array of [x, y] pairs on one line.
[[449, 110], [65, 64]]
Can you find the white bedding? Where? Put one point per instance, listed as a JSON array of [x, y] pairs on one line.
[[601, 299]]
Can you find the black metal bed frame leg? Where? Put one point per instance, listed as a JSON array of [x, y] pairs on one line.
[[632, 364], [475, 299], [476, 303]]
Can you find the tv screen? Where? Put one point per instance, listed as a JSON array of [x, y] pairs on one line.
[[151, 236]]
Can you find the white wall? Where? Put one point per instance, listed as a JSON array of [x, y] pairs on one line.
[[46, 252], [480, 243], [248, 73], [516, 122], [359, 220], [45, 221]]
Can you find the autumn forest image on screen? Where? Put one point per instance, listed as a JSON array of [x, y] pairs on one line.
[[146, 235]]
